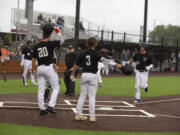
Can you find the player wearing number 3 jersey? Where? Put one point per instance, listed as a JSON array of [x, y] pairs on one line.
[[89, 62], [44, 53]]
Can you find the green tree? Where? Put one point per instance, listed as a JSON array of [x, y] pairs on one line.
[[170, 34]]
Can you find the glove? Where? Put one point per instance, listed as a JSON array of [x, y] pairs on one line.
[[56, 29], [149, 67], [72, 77], [33, 69]]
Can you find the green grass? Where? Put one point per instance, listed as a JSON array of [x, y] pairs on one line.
[[122, 86], [11, 129]]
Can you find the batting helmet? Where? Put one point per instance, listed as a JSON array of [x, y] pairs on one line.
[[128, 69], [47, 28]]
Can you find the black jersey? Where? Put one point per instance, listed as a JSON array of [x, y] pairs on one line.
[[44, 52], [88, 60], [27, 53], [142, 60], [70, 60]]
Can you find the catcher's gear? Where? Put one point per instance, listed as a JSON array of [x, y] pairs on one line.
[[128, 69], [48, 28]]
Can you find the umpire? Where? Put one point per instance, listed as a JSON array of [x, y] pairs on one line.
[[70, 59]]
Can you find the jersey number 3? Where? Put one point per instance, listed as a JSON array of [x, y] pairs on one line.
[[88, 62], [42, 52]]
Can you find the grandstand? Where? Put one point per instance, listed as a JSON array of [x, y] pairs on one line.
[[18, 20]]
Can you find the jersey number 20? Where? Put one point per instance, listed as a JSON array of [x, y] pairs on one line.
[[43, 52], [88, 62]]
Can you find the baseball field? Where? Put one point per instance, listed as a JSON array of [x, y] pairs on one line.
[[158, 113]]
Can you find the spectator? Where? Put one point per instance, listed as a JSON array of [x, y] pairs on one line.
[[40, 18], [49, 20], [60, 22], [81, 27]]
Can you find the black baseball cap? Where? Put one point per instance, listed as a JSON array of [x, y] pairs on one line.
[[48, 28], [70, 47]]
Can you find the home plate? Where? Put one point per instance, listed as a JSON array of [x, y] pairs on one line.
[[105, 108]]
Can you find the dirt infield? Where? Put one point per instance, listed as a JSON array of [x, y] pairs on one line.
[[159, 114]]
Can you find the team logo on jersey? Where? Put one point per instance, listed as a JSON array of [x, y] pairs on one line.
[[28, 54]]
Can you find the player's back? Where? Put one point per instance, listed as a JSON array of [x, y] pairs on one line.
[[88, 59], [44, 52]]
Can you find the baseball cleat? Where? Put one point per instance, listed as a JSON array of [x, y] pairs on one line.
[[43, 112], [66, 93], [51, 110], [146, 89], [34, 83], [80, 117], [25, 84], [92, 119], [137, 101]]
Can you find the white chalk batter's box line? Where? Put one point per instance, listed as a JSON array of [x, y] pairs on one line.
[[146, 114], [126, 104]]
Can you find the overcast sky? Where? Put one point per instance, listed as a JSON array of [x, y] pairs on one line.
[[118, 15]]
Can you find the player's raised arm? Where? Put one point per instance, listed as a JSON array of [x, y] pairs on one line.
[[110, 62], [59, 35]]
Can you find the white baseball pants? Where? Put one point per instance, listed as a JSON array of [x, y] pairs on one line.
[[28, 66], [141, 82], [47, 74], [100, 66], [89, 85]]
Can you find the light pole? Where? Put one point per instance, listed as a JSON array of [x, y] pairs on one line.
[[77, 21], [17, 24], [30, 18], [145, 20]]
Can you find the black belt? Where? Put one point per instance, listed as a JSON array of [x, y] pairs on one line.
[[44, 64], [90, 72]]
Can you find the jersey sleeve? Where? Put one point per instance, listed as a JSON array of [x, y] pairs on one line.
[[34, 53], [56, 44], [99, 56], [79, 59], [24, 51], [150, 60], [135, 57]]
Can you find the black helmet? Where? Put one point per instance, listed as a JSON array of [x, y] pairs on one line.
[[29, 42], [48, 28], [128, 69]]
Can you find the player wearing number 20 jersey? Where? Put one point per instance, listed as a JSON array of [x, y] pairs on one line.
[[43, 52]]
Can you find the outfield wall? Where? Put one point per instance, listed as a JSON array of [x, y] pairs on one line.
[[13, 67]]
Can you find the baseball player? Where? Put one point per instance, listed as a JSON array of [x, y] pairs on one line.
[[143, 64], [43, 52], [88, 60], [48, 86], [26, 61], [100, 67]]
